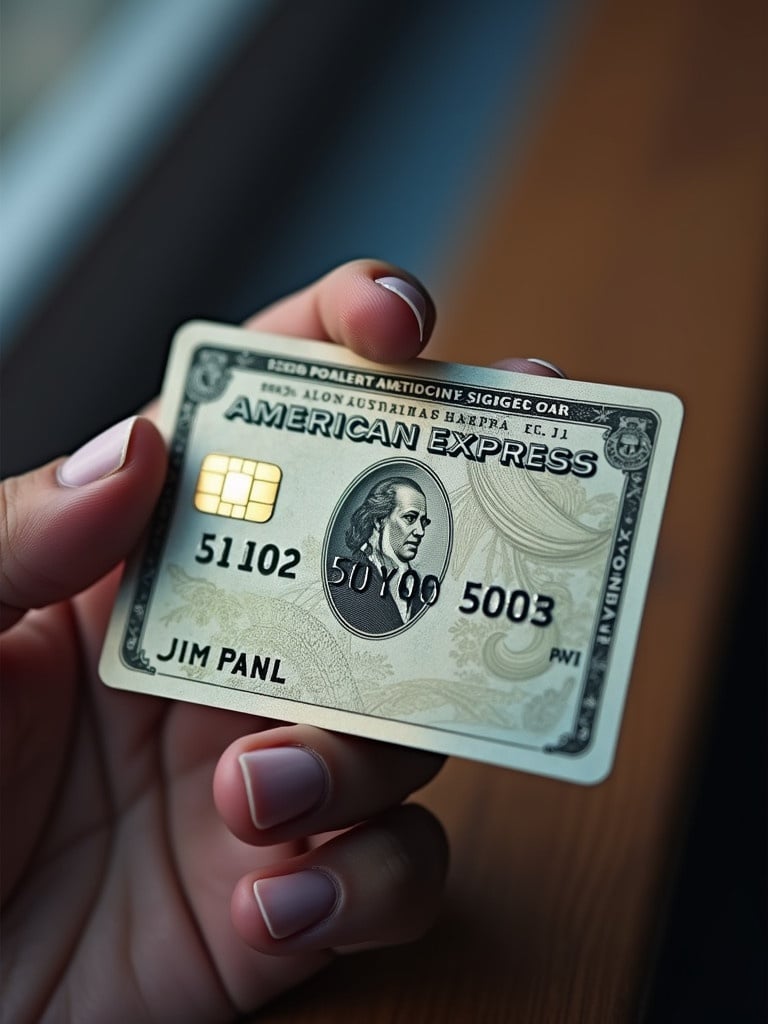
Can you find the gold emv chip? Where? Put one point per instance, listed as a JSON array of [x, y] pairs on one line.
[[237, 488]]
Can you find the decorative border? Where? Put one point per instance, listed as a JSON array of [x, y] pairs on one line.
[[209, 374]]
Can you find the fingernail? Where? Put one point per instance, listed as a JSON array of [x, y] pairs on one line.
[[549, 366], [292, 903], [410, 295], [281, 783], [100, 457]]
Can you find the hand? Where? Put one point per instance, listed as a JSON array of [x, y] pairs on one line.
[[132, 888]]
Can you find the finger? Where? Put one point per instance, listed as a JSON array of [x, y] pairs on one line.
[[65, 525], [377, 884], [534, 367], [379, 311], [297, 780]]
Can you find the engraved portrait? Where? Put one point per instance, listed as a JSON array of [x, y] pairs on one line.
[[387, 548]]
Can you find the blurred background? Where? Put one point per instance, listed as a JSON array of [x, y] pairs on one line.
[[582, 181], [165, 160]]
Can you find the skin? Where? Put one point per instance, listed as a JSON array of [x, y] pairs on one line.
[[128, 850], [403, 529]]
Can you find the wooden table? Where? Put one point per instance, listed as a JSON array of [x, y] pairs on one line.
[[629, 247]]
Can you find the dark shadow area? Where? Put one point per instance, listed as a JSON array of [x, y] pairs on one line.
[[714, 954]]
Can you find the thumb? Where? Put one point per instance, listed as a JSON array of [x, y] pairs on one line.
[[62, 527]]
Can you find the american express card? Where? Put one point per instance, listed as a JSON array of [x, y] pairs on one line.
[[435, 555]]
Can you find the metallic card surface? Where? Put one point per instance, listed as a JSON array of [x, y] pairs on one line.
[[435, 555]]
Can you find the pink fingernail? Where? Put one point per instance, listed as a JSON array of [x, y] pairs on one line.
[[281, 783], [549, 366], [98, 458], [292, 903], [411, 296]]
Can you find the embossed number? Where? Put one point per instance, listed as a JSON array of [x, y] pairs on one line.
[[494, 601]]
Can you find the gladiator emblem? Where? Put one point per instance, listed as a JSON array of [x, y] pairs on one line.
[[208, 377], [628, 447]]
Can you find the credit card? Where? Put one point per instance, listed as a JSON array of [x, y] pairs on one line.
[[434, 555]]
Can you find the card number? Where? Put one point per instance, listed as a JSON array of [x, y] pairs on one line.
[[518, 605], [269, 559]]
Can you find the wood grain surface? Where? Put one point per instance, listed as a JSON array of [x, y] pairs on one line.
[[629, 246]]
